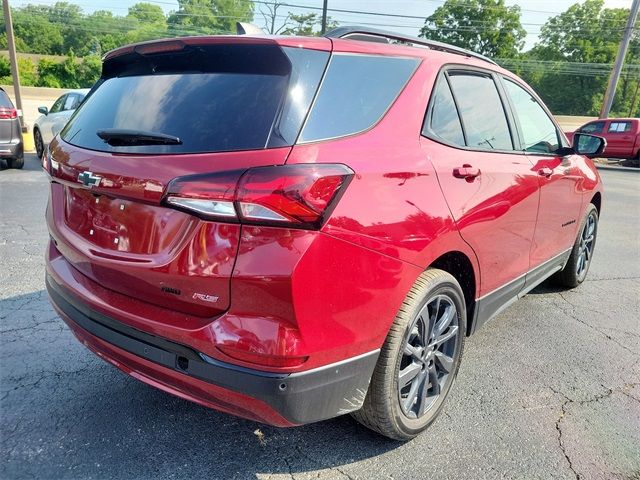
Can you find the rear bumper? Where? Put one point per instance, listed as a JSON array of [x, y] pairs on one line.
[[275, 398], [13, 149]]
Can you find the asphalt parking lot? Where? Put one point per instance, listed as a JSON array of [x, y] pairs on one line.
[[548, 389]]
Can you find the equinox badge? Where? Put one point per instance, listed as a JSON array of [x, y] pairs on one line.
[[88, 179]]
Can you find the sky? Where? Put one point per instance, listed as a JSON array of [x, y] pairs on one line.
[[534, 12]]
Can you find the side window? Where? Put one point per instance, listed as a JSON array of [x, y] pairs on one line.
[[444, 120], [70, 102], [5, 101], [481, 111], [57, 106], [619, 127], [539, 133], [594, 127], [356, 92]]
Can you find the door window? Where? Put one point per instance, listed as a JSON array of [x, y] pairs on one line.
[[481, 110], [57, 106], [71, 102], [619, 127], [445, 122], [539, 133], [595, 127]]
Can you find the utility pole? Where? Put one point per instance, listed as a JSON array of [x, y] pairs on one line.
[[11, 44], [323, 30], [617, 68]]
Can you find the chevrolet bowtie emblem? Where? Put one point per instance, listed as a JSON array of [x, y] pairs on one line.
[[88, 179]]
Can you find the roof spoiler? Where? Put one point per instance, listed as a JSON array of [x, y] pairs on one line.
[[243, 28]]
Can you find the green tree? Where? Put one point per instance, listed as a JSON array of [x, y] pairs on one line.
[[147, 13], [35, 32], [585, 34], [211, 16], [307, 24], [488, 27]]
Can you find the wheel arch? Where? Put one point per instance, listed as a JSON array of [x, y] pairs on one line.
[[597, 201], [461, 268]]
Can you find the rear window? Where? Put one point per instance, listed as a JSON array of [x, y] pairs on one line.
[[215, 98], [355, 93]]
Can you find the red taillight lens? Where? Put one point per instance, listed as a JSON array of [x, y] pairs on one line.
[[7, 113], [300, 196], [210, 195], [262, 359]]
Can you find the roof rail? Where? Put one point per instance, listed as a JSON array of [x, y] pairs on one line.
[[374, 35]]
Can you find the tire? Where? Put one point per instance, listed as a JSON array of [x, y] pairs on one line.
[[577, 267], [38, 142], [17, 162], [391, 410]]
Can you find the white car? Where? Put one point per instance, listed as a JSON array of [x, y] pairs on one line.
[[49, 124]]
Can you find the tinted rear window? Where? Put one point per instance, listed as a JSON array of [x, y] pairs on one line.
[[218, 98], [355, 93]]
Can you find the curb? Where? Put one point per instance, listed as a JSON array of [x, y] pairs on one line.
[[617, 168], [27, 141]]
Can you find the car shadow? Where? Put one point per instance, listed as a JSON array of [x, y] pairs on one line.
[[548, 286], [31, 163], [87, 419]]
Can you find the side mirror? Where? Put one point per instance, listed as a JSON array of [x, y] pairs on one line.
[[43, 110], [588, 145]]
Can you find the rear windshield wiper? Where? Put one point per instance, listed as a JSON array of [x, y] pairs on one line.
[[117, 137]]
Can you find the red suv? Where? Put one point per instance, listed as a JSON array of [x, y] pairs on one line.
[[290, 229]]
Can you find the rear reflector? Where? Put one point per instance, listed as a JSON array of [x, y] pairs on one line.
[[7, 113], [300, 196]]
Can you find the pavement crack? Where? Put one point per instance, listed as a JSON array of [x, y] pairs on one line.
[[611, 279], [563, 412], [337, 469], [575, 317]]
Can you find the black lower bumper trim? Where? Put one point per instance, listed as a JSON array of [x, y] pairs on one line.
[[303, 397]]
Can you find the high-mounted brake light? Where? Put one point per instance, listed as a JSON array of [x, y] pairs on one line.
[[7, 113], [159, 47], [300, 196]]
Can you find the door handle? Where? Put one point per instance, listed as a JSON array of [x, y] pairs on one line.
[[545, 172], [466, 171]]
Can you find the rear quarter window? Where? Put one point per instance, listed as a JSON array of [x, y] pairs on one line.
[[355, 93], [619, 127], [5, 101]]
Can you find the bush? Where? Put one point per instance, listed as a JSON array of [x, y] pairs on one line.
[[27, 69], [71, 73]]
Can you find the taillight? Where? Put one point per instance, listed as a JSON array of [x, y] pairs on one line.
[[266, 360], [300, 196], [7, 113]]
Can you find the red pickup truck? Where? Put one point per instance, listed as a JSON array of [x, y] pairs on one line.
[[622, 136]]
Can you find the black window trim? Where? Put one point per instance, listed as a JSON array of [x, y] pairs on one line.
[[468, 69], [419, 61], [562, 142]]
